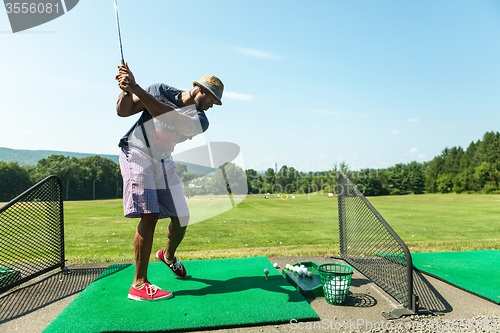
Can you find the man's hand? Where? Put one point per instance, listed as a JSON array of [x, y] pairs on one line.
[[142, 99], [130, 104], [126, 80]]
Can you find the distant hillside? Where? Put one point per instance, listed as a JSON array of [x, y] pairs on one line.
[[31, 157]]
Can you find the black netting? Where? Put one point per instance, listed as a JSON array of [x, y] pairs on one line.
[[369, 244], [32, 233]]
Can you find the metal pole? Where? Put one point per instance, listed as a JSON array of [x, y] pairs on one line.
[[228, 188]]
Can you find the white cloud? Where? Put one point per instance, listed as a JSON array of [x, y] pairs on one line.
[[395, 132], [413, 120], [422, 156], [322, 156], [308, 143], [414, 150], [335, 113], [237, 96], [255, 53]]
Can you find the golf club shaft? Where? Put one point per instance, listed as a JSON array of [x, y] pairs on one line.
[[119, 37]]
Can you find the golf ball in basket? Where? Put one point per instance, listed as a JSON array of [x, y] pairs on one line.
[[309, 274], [337, 289], [287, 266]]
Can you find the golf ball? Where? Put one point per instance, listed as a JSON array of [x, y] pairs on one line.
[[266, 271], [287, 266], [275, 265], [310, 274]]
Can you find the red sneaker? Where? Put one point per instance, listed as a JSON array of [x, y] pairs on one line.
[[149, 292], [176, 267]]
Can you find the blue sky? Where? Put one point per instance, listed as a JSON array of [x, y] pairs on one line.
[[307, 84]]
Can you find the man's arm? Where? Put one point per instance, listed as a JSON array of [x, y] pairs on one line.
[[182, 123], [128, 105]]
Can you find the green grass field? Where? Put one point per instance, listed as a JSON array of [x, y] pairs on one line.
[[96, 231]]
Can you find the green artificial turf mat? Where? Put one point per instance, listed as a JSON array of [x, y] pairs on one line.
[[475, 271], [216, 293]]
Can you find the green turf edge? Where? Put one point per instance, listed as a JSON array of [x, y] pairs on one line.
[[432, 264], [61, 325]]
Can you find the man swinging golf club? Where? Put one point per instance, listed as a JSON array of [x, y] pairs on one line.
[[152, 189]]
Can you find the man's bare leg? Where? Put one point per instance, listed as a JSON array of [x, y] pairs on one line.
[[175, 234], [143, 241]]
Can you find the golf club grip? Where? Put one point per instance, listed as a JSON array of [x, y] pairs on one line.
[[127, 94]]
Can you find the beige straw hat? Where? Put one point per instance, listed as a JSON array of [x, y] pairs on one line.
[[212, 84]]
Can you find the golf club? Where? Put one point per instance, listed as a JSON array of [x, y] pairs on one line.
[[119, 37]]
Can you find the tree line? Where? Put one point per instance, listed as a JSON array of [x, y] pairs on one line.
[[96, 177], [476, 169], [88, 178], [399, 179]]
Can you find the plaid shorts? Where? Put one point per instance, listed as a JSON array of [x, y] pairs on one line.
[[151, 186]]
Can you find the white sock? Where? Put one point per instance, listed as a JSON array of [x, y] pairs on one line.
[[168, 261]]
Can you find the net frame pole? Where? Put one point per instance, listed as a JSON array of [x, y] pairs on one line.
[[346, 188]]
